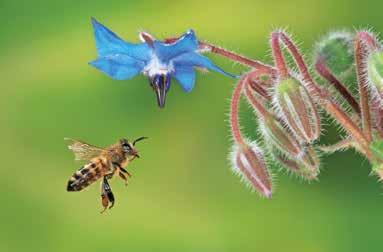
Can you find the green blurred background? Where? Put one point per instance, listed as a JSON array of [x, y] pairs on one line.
[[183, 196]]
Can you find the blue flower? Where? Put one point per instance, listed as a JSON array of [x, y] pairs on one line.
[[159, 61]]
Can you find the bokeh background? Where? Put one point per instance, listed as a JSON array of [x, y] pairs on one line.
[[183, 196]]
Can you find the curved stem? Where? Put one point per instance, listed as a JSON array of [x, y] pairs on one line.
[[361, 51], [205, 46], [278, 56], [335, 111], [235, 57], [259, 89], [297, 56], [234, 104], [323, 71], [262, 112], [368, 39]]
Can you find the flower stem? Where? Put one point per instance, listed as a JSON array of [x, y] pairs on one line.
[[259, 89], [234, 104], [254, 102], [235, 57], [361, 50], [335, 111], [297, 56], [323, 71], [278, 56], [205, 46]]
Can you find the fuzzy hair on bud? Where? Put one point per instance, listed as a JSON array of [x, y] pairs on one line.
[[276, 135], [248, 162], [296, 166], [336, 50], [297, 109]]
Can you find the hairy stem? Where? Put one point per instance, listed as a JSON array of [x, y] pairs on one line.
[[253, 101], [234, 104], [335, 111], [278, 56], [205, 46], [361, 51], [259, 89], [236, 57], [323, 71]]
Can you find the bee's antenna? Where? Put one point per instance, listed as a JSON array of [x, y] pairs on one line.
[[139, 139]]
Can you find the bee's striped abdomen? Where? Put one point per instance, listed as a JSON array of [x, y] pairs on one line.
[[86, 175]]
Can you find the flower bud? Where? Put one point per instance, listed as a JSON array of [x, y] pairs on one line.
[[279, 137], [248, 162], [375, 71], [336, 50], [297, 166], [297, 109]]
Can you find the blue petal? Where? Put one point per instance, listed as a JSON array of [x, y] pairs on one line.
[[108, 42], [195, 59], [186, 43], [118, 66], [186, 77]]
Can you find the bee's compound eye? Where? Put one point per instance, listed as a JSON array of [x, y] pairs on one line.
[[127, 147]]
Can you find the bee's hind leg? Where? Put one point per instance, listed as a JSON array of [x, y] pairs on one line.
[[106, 195]]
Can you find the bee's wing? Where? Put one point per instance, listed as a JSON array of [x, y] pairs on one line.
[[83, 151]]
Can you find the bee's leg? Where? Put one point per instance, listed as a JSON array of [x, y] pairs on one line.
[[122, 169], [109, 192], [123, 177], [106, 194], [104, 197], [125, 171], [109, 175]]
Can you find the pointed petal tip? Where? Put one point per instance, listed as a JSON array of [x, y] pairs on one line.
[[190, 32], [92, 63], [94, 21]]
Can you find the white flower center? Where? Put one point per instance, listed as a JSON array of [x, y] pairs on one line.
[[155, 66]]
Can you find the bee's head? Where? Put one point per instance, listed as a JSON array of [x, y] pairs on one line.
[[128, 147], [160, 84]]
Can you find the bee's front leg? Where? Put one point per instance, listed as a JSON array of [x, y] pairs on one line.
[[126, 172], [123, 177], [106, 194], [122, 172]]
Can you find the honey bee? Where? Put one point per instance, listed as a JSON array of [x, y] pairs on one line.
[[103, 163]]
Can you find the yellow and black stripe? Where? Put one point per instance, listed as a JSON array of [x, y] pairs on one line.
[[86, 175]]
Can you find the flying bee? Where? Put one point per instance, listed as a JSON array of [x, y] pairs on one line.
[[103, 163]]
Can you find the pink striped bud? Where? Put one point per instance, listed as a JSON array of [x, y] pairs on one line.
[[306, 167], [279, 137], [297, 109], [249, 164]]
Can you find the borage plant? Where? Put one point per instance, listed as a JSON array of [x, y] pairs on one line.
[[286, 98]]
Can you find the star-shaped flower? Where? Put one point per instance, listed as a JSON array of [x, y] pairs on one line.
[[159, 61]]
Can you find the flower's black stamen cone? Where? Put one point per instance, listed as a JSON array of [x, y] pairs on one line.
[[160, 85], [161, 96]]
